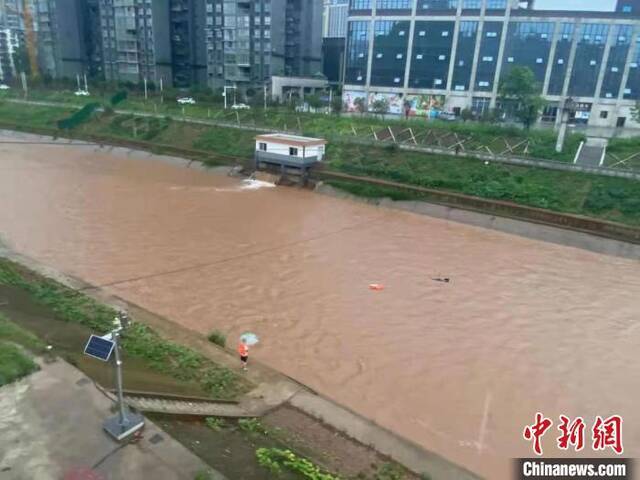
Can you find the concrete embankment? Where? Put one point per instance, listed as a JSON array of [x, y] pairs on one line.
[[570, 230]]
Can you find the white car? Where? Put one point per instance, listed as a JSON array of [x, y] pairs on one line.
[[81, 93], [186, 101], [240, 106], [4, 87]]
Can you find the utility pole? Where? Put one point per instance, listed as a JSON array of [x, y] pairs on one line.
[[161, 94], [78, 81], [265, 96], [86, 86], [146, 96]]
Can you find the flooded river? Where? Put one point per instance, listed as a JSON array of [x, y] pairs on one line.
[[459, 367]]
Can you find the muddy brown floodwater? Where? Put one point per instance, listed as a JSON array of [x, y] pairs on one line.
[[459, 367]]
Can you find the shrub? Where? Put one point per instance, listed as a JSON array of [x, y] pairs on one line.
[[119, 97], [218, 338], [215, 424], [277, 460], [78, 117]]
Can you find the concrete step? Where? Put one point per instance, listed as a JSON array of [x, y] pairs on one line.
[[178, 407], [590, 156]]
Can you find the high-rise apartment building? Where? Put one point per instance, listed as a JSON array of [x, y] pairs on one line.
[[248, 41], [334, 33], [136, 42], [451, 55], [41, 37]]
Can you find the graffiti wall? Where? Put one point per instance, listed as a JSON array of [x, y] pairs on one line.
[[417, 105], [349, 100]]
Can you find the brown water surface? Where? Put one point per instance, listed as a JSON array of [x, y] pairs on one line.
[[457, 367]]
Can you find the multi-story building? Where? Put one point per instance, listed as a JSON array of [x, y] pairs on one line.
[[334, 34], [249, 41], [37, 39], [136, 41], [451, 54]]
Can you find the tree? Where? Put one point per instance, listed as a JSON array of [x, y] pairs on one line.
[[360, 105], [520, 87], [380, 106], [466, 114], [314, 101], [336, 104]]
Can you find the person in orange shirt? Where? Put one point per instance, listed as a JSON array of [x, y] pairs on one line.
[[243, 350]]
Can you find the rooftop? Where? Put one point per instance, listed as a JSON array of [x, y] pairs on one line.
[[291, 139]]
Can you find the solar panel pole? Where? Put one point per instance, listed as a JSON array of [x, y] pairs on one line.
[[116, 348], [126, 423]]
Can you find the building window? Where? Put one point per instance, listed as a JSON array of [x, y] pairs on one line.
[[604, 114], [293, 151], [626, 9], [438, 4], [360, 4], [393, 4], [496, 4], [471, 4], [263, 147]]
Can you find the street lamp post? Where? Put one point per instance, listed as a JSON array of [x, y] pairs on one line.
[[568, 106]]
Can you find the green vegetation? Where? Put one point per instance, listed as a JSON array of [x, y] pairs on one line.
[[119, 97], [277, 460], [603, 197], [138, 341], [79, 117], [389, 471], [215, 424], [625, 150], [218, 338], [204, 475], [14, 364], [519, 86], [10, 332], [252, 425]]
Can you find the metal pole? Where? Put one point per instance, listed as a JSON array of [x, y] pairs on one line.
[[23, 76], [224, 94], [122, 412], [161, 94], [145, 89], [265, 97], [86, 86], [78, 80]]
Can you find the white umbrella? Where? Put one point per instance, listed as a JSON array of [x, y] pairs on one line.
[[249, 338]]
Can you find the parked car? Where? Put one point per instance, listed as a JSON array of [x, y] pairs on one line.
[[81, 93], [4, 87], [447, 116], [240, 106], [186, 101]]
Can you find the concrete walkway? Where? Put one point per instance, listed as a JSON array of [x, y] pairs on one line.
[[51, 429]]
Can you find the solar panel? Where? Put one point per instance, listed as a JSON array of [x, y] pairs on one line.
[[99, 348]]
